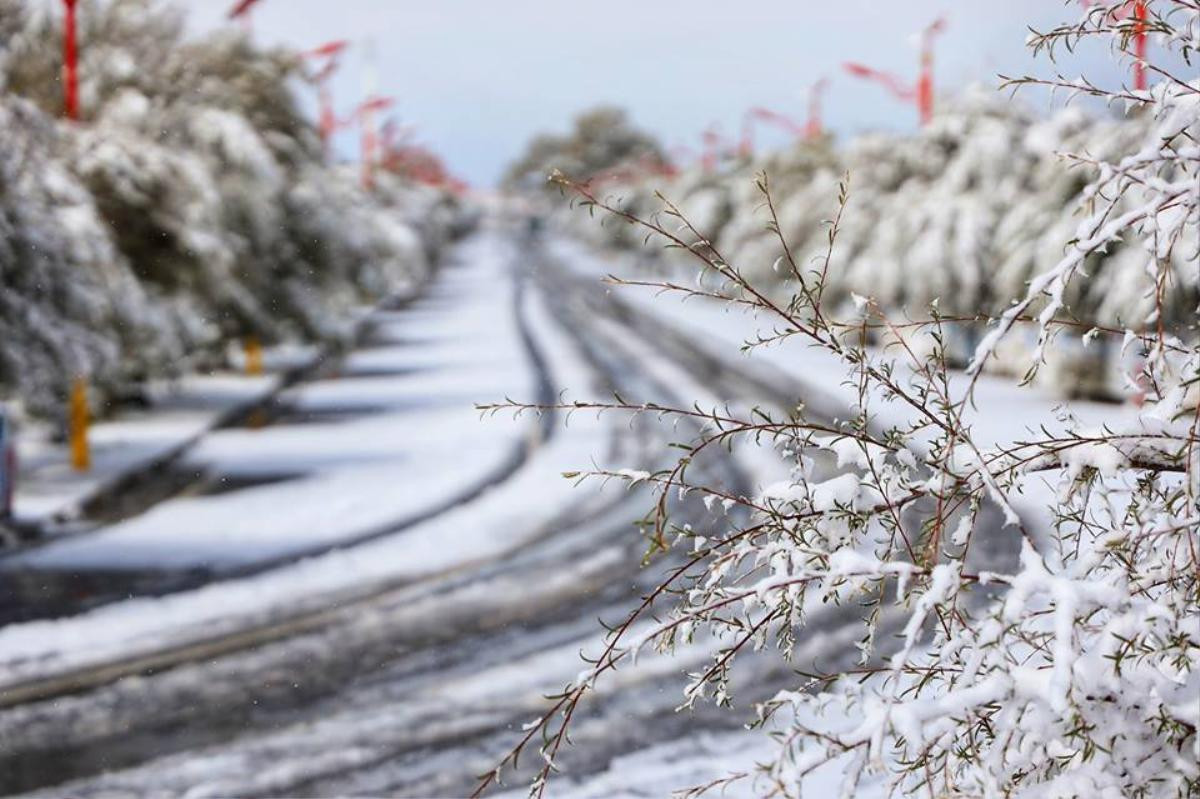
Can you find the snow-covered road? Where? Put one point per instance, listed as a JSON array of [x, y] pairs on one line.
[[400, 581]]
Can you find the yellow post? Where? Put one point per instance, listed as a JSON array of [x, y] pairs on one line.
[[254, 356], [81, 454]]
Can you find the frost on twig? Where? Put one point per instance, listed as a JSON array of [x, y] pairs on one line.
[[1071, 667]]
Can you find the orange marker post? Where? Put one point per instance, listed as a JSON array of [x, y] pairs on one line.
[[80, 419], [254, 356]]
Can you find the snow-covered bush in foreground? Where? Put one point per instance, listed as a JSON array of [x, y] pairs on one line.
[[1069, 667], [191, 205]]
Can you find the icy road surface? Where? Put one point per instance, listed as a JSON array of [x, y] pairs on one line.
[[373, 593]]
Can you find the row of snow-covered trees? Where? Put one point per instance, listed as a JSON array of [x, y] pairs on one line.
[[964, 212], [190, 206]]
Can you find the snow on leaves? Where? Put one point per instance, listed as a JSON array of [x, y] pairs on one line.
[[192, 205], [1030, 607]]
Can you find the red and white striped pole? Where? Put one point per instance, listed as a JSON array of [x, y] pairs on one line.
[[70, 61]]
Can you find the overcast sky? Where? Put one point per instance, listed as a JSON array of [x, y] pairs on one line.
[[478, 78]]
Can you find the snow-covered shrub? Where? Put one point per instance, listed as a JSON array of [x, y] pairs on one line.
[[194, 177], [965, 211], [601, 139], [1030, 607], [69, 302]]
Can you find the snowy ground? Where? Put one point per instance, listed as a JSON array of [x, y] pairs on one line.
[[403, 581], [49, 489]]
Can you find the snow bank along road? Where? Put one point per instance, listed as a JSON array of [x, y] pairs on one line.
[[371, 595], [381, 439]]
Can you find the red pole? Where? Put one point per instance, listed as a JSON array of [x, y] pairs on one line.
[[813, 128], [368, 150], [1139, 45], [746, 144], [925, 82], [1139, 38], [922, 93], [366, 118], [712, 145], [389, 138], [925, 87], [328, 123], [70, 61]]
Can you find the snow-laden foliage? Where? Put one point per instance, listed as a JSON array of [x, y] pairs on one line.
[[1030, 607], [965, 211], [69, 302], [189, 207], [600, 140]]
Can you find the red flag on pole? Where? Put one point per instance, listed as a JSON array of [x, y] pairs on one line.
[[760, 114], [922, 93], [328, 50], [886, 79], [241, 8]]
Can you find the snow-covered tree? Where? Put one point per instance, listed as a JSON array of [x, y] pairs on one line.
[[1030, 606], [190, 205], [966, 211], [601, 139]]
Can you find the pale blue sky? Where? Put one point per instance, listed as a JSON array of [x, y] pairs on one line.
[[477, 79]]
